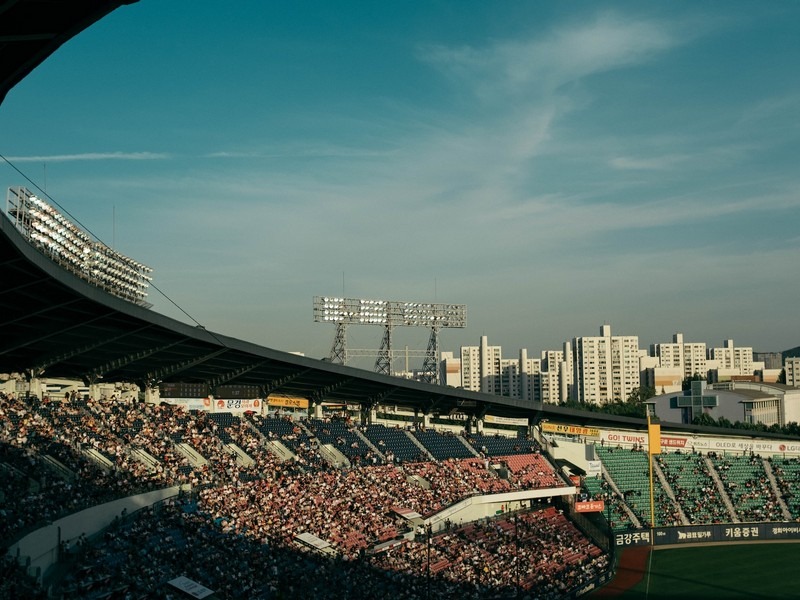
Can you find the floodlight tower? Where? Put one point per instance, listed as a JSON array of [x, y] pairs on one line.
[[67, 244], [388, 314]]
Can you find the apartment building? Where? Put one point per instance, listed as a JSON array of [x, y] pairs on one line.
[[689, 357], [731, 359], [606, 367]]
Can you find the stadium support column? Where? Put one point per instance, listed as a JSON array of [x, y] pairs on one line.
[[150, 394], [383, 364]]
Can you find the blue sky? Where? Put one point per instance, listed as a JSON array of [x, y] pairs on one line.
[[552, 165]]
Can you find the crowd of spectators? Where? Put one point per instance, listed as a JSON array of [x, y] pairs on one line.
[[689, 476], [248, 497], [750, 490], [744, 486], [539, 553]]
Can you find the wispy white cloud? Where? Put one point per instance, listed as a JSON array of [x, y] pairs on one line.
[[659, 163], [309, 150], [574, 51], [91, 156]]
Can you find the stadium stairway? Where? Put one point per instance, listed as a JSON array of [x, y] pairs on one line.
[[774, 483], [98, 459], [633, 518], [242, 458], [334, 457], [419, 445], [723, 493], [469, 446], [144, 457], [194, 457], [279, 450], [369, 444], [670, 492]]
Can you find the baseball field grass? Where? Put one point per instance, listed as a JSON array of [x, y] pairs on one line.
[[762, 571]]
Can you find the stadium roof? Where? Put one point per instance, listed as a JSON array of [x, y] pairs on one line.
[[31, 30]]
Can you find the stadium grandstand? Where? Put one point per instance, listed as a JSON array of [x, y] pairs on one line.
[[172, 461]]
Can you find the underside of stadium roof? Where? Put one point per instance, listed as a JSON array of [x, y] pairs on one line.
[[31, 30]]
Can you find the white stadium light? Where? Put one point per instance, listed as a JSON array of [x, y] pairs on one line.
[[68, 245], [349, 311]]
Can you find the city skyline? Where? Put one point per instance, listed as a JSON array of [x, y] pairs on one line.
[[552, 167]]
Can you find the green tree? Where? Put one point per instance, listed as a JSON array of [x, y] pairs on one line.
[[704, 419], [641, 394], [687, 383]]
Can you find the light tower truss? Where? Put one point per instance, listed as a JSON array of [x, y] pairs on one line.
[[68, 245], [388, 314]]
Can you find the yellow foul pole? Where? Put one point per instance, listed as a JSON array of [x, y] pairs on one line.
[[653, 447]]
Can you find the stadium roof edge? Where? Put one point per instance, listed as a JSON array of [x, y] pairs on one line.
[[33, 29]]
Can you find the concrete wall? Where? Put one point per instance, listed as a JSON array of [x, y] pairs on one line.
[[41, 546]]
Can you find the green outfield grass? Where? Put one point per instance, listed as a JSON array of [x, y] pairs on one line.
[[754, 571]]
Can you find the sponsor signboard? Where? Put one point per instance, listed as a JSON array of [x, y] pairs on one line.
[[570, 429], [702, 443], [590, 506], [505, 420], [632, 538], [287, 401], [237, 405]]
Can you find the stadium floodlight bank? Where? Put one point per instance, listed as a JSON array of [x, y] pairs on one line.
[[69, 246], [389, 314], [359, 311]]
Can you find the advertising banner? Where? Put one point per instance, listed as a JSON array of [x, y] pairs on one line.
[[505, 420], [570, 429], [698, 534], [287, 401], [237, 405], [590, 506], [670, 441]]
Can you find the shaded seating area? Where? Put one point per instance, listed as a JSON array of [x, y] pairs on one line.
[[343, 438], [442, 445], [497, 445], [393, 443], [787, 474]]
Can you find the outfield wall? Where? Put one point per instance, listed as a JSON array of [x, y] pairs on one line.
[[704, 534]]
